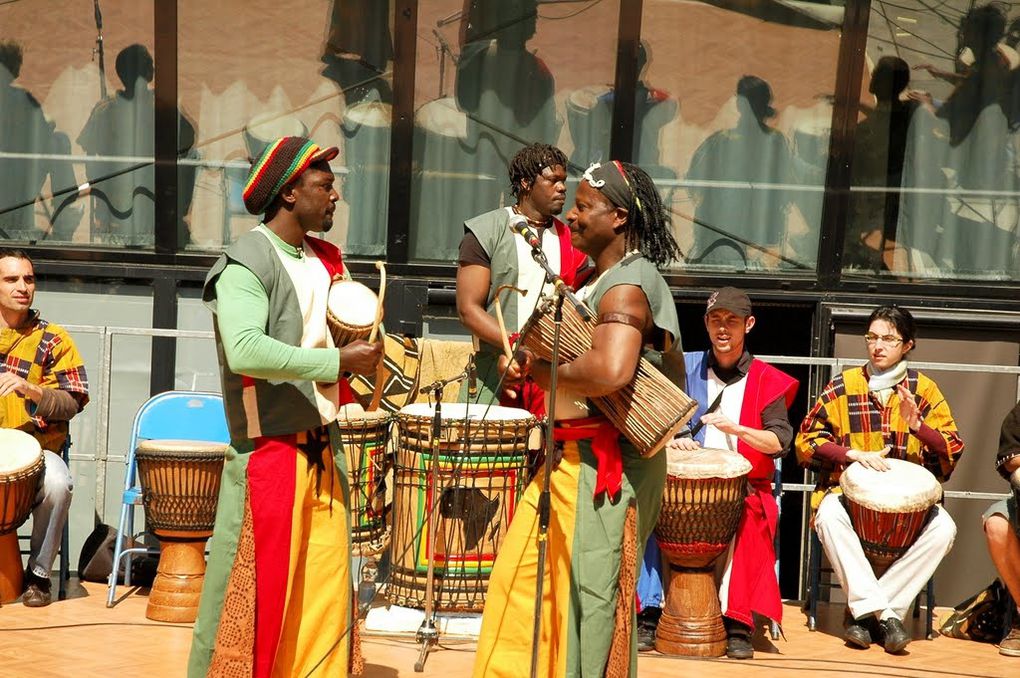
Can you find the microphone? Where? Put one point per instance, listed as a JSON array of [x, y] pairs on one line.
[[519, 225]]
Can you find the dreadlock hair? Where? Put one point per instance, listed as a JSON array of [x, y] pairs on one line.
[[648, 223], [529, 162]]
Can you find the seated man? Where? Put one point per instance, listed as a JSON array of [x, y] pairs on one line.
[[742, 406], [1002, 525], [43, 385], [884, 408]]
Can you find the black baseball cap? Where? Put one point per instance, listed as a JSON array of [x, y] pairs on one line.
[[731, 299]]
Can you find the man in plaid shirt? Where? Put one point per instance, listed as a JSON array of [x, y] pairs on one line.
[[43, 384]]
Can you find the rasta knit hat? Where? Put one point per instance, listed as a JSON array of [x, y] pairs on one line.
[[283, 161]]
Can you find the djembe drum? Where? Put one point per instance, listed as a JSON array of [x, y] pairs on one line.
[[889, 509], [21, 468], [701, 509], [180, 482], [482, 473], [648, 411], [364, 437], [350, 311]]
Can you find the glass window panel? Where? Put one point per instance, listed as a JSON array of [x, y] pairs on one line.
[[71, 112], [734, 112], [492, 76], [935, 169], [335, 89]]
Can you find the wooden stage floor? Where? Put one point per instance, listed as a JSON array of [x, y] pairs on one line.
[[80, 638]]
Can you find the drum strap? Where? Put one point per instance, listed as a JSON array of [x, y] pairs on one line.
[[715, 405]]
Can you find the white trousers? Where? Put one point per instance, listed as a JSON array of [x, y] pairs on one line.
[[893, 593]]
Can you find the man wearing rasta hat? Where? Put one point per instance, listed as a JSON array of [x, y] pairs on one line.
[[277, 593], [742, 406], [605, 496]]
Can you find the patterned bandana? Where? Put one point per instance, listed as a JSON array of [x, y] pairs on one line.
[[612, 182], [283, 161]]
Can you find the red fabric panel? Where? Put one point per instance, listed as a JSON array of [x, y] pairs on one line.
[[753, 583], [571, 258], [329, 255], [763, 386], [605, 444], [271, 483]]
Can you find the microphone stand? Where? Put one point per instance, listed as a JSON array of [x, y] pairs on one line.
[[428, 633]]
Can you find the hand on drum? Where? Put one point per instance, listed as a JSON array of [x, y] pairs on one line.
[[360, 357], [874, 460], [683, 444], [723, 423], [909, 410], [12, 383]]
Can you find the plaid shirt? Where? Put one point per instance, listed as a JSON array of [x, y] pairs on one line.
[[44, 354], [847, 414]]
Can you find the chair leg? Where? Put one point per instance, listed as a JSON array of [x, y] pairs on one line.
[[111, 589], [814, 580], [65, 566], [929, 623], [131, 533]]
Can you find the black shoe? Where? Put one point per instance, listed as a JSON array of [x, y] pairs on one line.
[[647, 622], [738, 646], [894, 636], [37, 591], [857, 633]]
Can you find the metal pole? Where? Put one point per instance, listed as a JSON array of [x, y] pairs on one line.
[[428, 633]]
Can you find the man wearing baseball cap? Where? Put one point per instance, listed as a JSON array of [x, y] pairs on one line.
[[742, 406], [277, 592]]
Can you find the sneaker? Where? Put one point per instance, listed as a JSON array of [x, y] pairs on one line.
[[37, 591], [1010, 645], [738, 646], [856, 632], [894, 636]]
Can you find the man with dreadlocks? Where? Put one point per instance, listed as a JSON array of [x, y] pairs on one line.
[[491, 256], [605, 496]]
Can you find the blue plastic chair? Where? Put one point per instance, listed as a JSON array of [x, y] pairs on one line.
[[173, 415]]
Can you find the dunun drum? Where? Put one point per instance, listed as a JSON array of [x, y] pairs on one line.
[[648, 411], [350, 311], [21, 469], [482, 472], [180, 482], [364, 437], [889, 509], [701, 509]]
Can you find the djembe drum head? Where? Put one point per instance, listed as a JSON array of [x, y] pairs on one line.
[[889, 509], [350, 311], [482, 472]]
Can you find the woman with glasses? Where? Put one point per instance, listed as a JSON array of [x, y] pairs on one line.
[[883, 408]]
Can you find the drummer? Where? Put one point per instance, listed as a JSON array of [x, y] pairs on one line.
[[277, 592], [491, 255], [605, 495], [42, 386], [1002, 525], [742, 406], [885, 408]]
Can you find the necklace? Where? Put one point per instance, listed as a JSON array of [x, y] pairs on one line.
[[540, 223]]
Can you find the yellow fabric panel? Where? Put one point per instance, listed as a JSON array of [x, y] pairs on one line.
[[504, 646], [319, 580]]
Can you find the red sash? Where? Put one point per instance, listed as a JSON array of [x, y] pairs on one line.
[[605, 444]]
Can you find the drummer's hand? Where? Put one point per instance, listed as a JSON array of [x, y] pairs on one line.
[[683, 444], [721, 422], [514, 370], [909, 410], [876, 461], [12, 383], [360, 357]]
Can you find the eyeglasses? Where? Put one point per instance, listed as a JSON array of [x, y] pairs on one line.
[[887, 339]]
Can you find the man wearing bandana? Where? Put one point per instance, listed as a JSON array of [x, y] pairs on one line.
[[605, 497], [493, 256], [277, 594]]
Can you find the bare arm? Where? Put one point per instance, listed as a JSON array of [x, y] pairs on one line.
[[615, 348], [472, 293]]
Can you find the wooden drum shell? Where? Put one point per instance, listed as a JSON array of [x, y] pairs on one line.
[[17, 494], [365, 439], [180, 483]]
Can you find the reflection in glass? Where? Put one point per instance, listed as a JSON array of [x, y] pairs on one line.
[[950, 205], [747, 147]]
